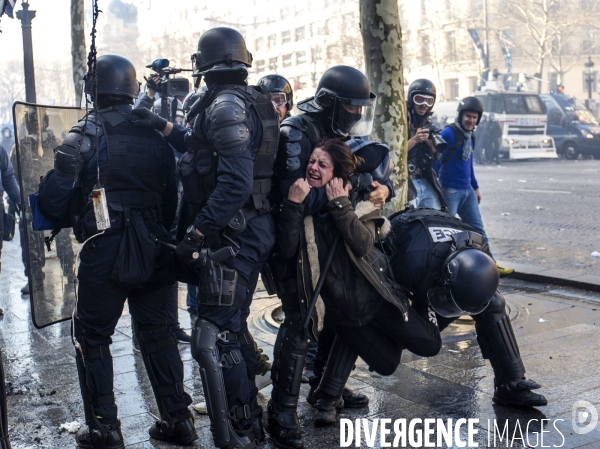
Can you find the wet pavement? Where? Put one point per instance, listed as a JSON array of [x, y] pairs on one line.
[[557, 329], [543, 212]]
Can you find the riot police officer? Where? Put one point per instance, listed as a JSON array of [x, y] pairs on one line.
[[281, 92], [226, 175], [451, 270], [423, 187], [132, 170], [341, 108]]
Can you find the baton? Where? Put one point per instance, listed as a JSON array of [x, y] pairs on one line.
[[172, 247], [321, 281], [168, 245]]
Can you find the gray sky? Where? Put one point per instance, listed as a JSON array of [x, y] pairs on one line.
[[51, 29]]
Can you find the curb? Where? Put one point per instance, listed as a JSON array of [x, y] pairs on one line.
[[544, 275]]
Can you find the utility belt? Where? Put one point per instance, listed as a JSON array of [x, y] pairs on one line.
[[120, 205]]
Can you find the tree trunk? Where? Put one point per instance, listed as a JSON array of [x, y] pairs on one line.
[[382, 45], [78, 53]]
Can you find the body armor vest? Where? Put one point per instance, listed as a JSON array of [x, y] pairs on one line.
[[134, 177], [197, 168]]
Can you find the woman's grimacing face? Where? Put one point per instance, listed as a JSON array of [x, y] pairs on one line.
[[319, 170]]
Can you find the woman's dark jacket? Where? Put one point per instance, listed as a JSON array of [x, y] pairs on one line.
[[350, 298]]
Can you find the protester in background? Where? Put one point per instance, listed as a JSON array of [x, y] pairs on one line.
[[455, 168]]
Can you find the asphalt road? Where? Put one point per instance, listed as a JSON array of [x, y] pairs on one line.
[[543, 212]]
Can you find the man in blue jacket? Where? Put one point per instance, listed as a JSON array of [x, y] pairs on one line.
[[455, 168]]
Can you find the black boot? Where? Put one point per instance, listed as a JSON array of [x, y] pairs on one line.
[[181, 336], [100, 436], [180, 430], [354, 400], [328, 409], [284, 428], [518, 393]]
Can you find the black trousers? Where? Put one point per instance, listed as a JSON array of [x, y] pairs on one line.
[[100, 305], [381, 341]]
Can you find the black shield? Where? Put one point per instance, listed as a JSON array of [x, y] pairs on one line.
[[52, 281]]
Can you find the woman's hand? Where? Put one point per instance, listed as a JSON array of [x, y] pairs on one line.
[[335, 188], [299, 191], [379, 194]]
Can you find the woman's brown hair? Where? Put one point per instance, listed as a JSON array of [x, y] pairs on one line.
[[344, 161]]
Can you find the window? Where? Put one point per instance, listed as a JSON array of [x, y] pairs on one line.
[[272, 40], [300, 57], [452, 88], [588, 43], [333, 52], [300, 34], [302, 82], [425, 52], [451, 45], [553, 84], [286, 60], [315, 55], [260, 65], [473, 84], [272, 64], [258, 43], [523, 104], [285, 37]]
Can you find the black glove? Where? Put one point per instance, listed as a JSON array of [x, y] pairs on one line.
[[188, 250], [151, 84], [148, 119]]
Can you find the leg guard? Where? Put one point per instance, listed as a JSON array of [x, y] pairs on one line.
[[290, 352], [339, 366], [206, 353], [497, 340], [175, 425], [99, 432], [498, 344]]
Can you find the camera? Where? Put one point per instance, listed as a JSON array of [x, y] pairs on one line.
[[169, 87], [438, 141]]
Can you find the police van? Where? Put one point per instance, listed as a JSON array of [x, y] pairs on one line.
[[522, 118]]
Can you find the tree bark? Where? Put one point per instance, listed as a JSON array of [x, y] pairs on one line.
[[382, 45], [78, 53]]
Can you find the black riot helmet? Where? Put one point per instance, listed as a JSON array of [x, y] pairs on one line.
[[345, 94], [277, 84], [469, 104], [221, 46], [420, 87], [116, 76], [469, 280]]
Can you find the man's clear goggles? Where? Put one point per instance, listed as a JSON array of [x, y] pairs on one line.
[[279, 99], [423, 99]]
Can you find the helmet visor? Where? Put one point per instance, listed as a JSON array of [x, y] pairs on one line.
[[444, 304], [353, 117], [420, 99], [279, 99]]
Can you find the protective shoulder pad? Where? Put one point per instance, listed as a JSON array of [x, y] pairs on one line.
[[229, 125], [88, 128], [296, 122]]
